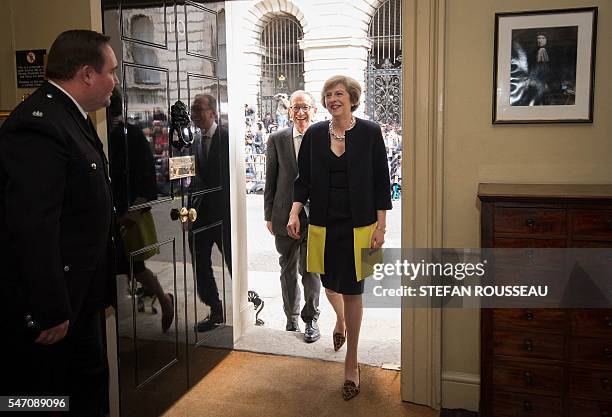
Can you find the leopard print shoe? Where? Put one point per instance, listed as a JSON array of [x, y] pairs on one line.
[[339, 340], [350, 389]]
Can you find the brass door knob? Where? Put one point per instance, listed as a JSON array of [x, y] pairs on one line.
[[182, 214], [193, 214]]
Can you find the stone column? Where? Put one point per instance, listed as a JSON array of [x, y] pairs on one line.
[[325, 57], [336, 43]]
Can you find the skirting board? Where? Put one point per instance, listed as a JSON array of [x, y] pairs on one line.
[[460, 390]]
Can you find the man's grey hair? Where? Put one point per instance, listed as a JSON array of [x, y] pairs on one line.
[[305, 93]]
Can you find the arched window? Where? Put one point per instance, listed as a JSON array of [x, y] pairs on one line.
[[282, 62], [384, 70]]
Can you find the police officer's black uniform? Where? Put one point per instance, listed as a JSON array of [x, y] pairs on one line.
[[55, 250]]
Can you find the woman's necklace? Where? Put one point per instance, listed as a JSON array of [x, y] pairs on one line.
[[333, 134]]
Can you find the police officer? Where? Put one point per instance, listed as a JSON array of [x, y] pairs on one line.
[[55, 229]]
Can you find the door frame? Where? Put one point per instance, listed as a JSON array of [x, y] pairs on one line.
[[243, 314], [423, 197]]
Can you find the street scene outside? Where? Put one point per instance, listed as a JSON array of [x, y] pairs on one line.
[[381, 327], [381, 333]]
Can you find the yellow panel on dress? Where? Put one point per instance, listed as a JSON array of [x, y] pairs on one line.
[[362, 236], [315, 259]]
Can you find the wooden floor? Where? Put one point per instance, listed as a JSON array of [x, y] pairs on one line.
[[249, 384]]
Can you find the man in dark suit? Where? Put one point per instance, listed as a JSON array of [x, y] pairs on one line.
[[281, 170], [211, 150], [55, 229]]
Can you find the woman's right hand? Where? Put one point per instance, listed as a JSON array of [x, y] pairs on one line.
[[293, 227]]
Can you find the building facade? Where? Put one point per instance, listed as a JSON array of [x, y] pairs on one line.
[[333, 37]]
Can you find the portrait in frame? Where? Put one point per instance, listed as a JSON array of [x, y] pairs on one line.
[[544, 66]]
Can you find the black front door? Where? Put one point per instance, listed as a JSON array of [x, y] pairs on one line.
[[174, 264]]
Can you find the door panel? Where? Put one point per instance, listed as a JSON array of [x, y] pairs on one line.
[[212, 276], [151, 357], [167, 51], [208, 261], [146, 25], [208, 176], [149, 111]]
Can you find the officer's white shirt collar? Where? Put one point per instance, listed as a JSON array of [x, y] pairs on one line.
[[71, 98]]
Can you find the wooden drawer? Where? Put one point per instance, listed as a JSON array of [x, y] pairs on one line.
[[530, 221], [538, 361], [531, 277], [592, 384], [597, 352], [591, 244], [596, 322], [526, 405], [580, 408], [528, 378], [528, 344], [526, 256], [510, 242], [592, 224], [530, 318]]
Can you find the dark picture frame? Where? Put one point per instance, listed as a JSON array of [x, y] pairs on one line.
[[544, 66]]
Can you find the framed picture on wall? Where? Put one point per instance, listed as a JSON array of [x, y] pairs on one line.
[[544, 66]]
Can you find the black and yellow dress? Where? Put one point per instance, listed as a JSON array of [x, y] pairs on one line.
[[339, 257], [344, 194]]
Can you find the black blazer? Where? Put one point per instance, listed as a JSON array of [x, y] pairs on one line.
[[55, 213], [212, 173], [368, 172]]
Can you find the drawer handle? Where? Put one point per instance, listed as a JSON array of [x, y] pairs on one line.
[[529, 316], [605, 383], [528, 345], [604, 413], [608, 321], [530, 222], [528, 379], [607, 352], [527, 406]]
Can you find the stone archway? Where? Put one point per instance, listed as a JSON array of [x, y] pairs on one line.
[[255, 21]]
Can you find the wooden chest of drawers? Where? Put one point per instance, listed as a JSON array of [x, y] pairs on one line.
[[546, 362]]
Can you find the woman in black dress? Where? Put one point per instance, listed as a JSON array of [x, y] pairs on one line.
[[343, 172]]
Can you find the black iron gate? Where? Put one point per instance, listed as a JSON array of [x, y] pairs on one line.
[[384, 69], [384, 93], [282, 63]]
